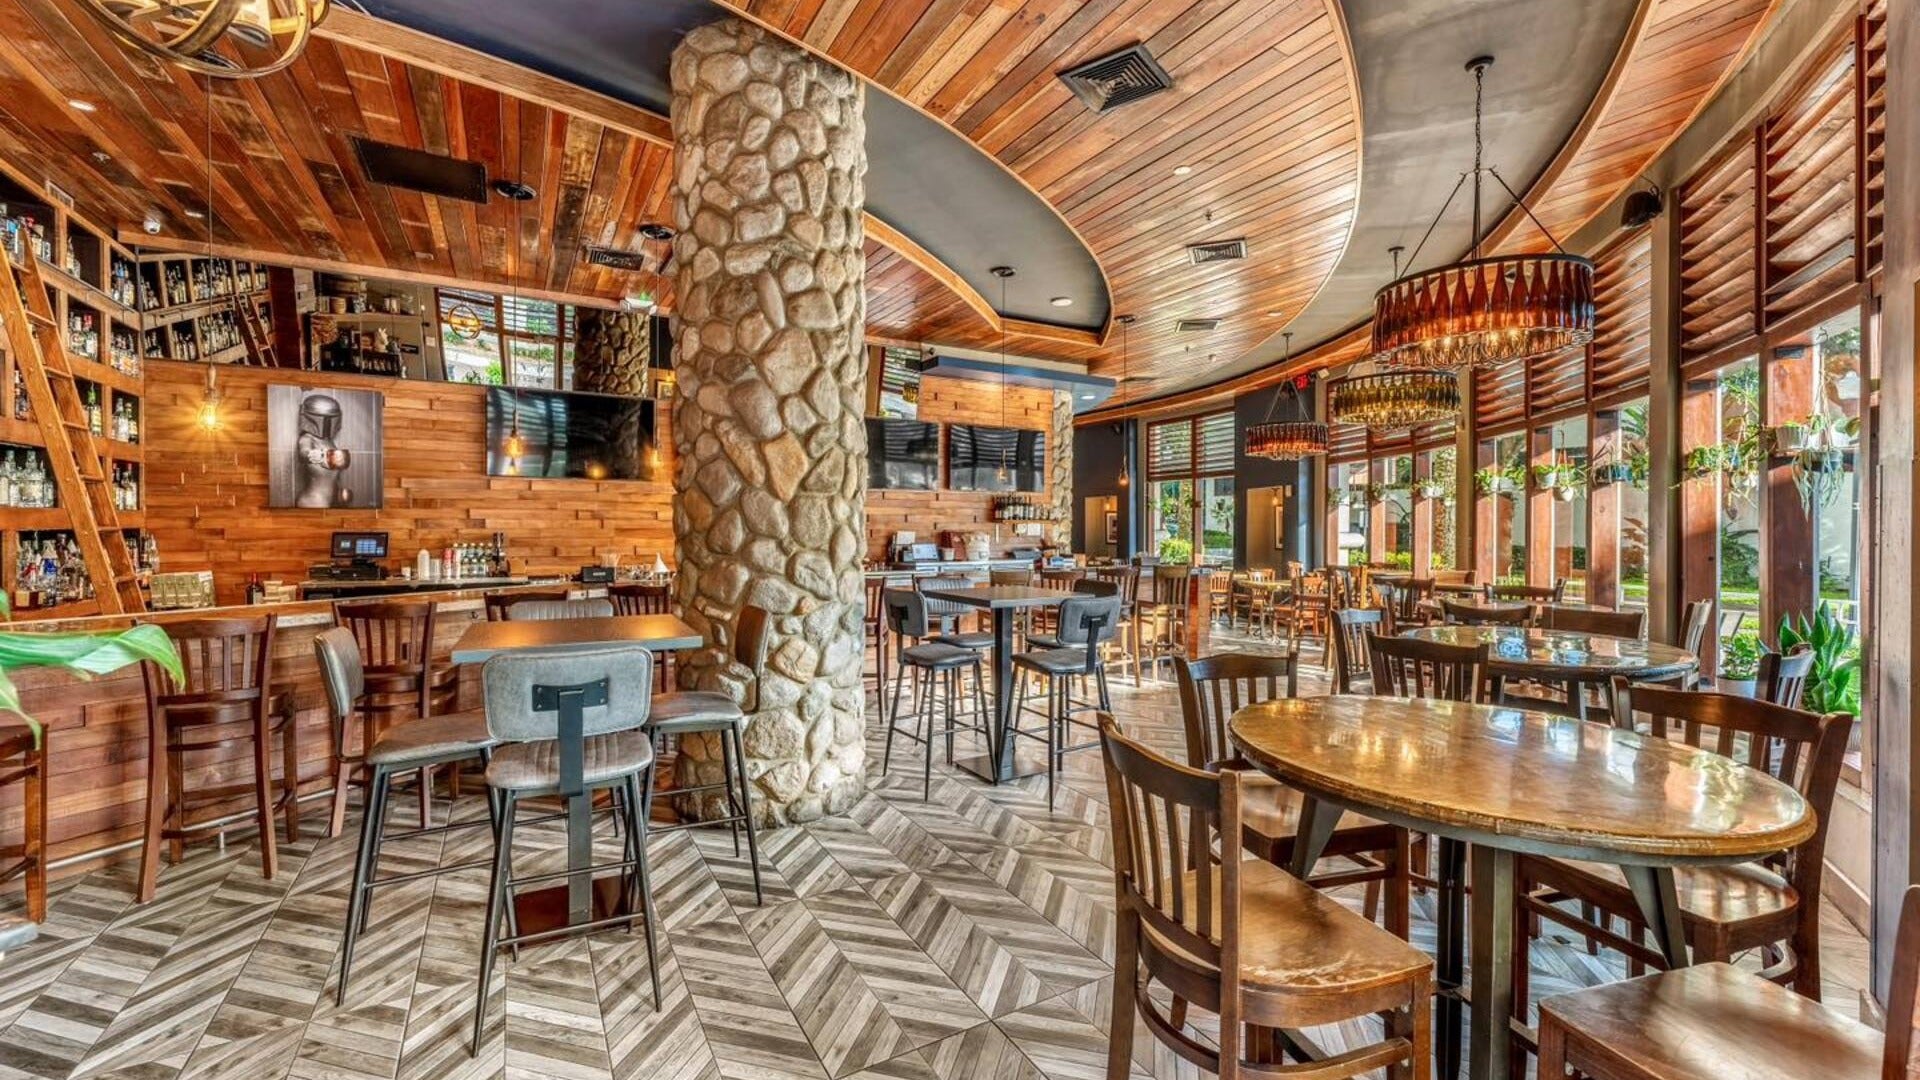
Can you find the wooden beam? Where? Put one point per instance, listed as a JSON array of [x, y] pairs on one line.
[[1787, 563], [904, 246], [1378, 527], [1424, 512], [1604, 512], [1540, 563], [1700, 508], [1487, 531]]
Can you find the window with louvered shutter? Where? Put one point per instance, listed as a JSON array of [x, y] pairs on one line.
[[1620, 361], [1170, 449], [1214, 437], [1191, 446], [1434, 436], [1388, 443], [1500, 399], [1557, 384], [1809, 185], [1872, 134], [1717, 267], [1346, 442]]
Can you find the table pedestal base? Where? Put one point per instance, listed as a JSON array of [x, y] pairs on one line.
[[1025, 763], [544, 911]]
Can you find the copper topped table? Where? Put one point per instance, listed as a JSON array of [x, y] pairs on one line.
[[1001, 601], [1508, 781], [1569, 657]]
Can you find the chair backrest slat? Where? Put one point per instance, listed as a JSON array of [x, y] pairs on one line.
[[510, 678], [641, 598], [1626, 624], [1460, 614], [1411, 668], [1212, 689], [1783, 677]]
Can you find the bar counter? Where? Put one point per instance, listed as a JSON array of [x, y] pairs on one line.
[[97, 728]]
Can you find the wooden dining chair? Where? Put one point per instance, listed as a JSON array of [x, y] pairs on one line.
[[1783, 676], [1626, 624], [1411, 668], [227, 696], [1455, 613], [499, 602], [395, 638], [1712, 1021], [647, 598], [1694, 625], [1240, 938], [1532, 594], [1211, 691], [23, 761], [1351, 660], [1162, 623], [1771, 904]]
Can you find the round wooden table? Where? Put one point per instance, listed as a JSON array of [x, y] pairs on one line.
[[1573, 659], [1505, 781]]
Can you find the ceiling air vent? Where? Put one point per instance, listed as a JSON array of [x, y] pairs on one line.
[[616, 258], [417, 170], [1112, 81], [1196, 326], [1214, 251]]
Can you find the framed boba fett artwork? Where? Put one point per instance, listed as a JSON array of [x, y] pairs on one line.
[[324, 448]]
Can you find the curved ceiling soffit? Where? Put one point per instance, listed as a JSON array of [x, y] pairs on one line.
[[619, 53], [1274, 147], [1666, 71]]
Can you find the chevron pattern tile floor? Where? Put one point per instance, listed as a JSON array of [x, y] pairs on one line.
[[965, 937]]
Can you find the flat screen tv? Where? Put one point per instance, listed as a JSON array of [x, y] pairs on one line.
[[975, 456], [568, 435], [903, 454]]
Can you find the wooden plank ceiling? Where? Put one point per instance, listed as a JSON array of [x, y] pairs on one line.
[[1264, 111]]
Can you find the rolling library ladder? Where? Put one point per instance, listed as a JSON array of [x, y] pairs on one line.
[[79, 469]]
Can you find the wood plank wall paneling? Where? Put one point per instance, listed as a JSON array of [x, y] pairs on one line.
[[207, 492], [928, 513]]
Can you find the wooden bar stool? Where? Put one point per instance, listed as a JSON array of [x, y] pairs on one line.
[[395, 638], [228, 685], [498, 602], [1241, 938], [647, 598], [24, 763]]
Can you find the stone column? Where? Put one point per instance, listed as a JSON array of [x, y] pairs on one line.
[[768, 192], [1060, 469], [611, 352]]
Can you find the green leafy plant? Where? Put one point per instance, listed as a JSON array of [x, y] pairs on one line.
[[1740, 656], [1834, 683], [85, 654], [1499, 480], [1177, 550], [1703, 461], [1433, 488]]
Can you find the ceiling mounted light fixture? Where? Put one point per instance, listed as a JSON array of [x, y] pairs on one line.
[[1483, 311], [264, 35], [1287, 440], [1391, 400]]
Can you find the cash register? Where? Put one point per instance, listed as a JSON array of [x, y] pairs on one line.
[[357, 556]]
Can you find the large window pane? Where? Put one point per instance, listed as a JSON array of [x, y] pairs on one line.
[[1510, 510], [1570, 506], [1216, 520], [1739, 479], [1441, 482], [1347, 503], [1172, 524], [1397, 504], [1838, 374]]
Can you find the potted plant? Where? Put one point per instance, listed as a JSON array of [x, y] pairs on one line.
[[1614, 472], [1376, 492], [1704, 461], [85, 654], [1433, 488], [1834, 683], [1791, 437], [1494, 480], [1739, 664]]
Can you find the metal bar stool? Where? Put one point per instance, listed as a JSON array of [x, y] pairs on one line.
[[1086, 623], [228, 685], [710, 712], [942, 663], [569, 723], [23, 760], [396, 646], [402, 748]]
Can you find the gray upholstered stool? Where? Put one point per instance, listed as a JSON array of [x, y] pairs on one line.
[[688, 712], [569, 723], [405, 747], [551, 610], [1086, 623], [942, 664]]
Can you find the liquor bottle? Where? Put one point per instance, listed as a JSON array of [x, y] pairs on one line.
[[96, 421], [256, 592], [22, 404], [9, 482]]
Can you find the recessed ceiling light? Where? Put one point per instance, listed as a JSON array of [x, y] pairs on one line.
[[1061, 301], [101, 157], [1182, 170], [1086, 397], [423, 256], [1275, 314], [197, 215], [81, 106]]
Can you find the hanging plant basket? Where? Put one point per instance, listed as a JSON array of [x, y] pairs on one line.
[[1618, 472], [1790, 438], [1565, 494], [1433, 489], [1704, 461]]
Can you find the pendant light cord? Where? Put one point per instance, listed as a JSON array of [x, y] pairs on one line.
[[1479, 145]]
